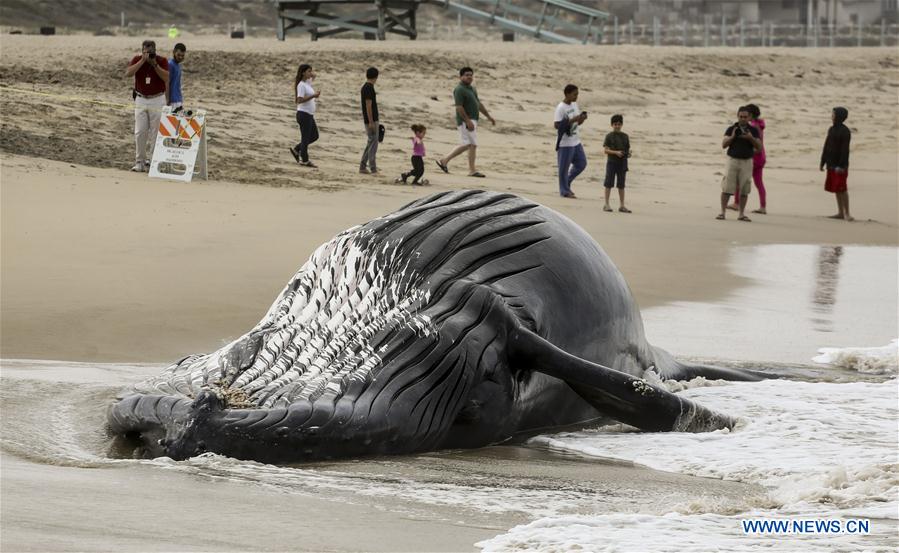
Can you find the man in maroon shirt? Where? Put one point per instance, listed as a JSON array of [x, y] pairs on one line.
[[151, 78]]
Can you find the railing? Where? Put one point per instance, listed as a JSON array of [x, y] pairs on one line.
[[738, 33]]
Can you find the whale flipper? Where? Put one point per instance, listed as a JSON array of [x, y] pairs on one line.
[[619, 395]]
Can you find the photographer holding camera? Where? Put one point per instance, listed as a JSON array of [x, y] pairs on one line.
[[742, 141], [151, 79]]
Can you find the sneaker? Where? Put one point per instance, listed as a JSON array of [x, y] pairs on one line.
[[295, 153], [363, 171], [138, 167], [308, 164]]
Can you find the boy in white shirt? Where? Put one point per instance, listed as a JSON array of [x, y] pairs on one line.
[[571, 156]]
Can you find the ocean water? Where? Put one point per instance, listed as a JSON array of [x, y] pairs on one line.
[[820, 450], [822, 447], [821, 443]]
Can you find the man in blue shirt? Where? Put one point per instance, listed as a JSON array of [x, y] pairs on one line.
[[173, 92]]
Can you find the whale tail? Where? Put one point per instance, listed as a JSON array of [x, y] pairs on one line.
[[669, 368], [619, 395]]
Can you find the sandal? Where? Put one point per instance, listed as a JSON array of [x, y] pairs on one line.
[[744, 218], [607, 208], [399, 180], [477, 174], [623, 209], [442, 166], [308, 164], [720, 217]]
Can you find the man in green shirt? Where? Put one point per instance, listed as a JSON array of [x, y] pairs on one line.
[[468, 106]]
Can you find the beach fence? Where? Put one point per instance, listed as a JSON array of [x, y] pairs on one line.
[[739, 33]]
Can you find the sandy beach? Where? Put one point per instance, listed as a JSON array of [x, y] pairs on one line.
[[103, 265]]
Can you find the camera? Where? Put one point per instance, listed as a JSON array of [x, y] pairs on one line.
[[151, 54], [737, 130]]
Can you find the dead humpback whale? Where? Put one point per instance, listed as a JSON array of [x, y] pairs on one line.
[[461, 320]]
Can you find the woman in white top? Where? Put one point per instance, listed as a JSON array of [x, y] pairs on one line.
[[305, 100]]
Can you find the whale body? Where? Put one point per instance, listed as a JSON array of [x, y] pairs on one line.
[[463, 319]]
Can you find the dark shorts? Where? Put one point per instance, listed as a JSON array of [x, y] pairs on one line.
[[616, 170], [835, 182]]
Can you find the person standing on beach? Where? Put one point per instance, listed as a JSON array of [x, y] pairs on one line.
[[151, 79], [835, 158], [370, 120], [617, 146], [468, 106], [758, 161], [742, 141], [569, 150], [418, 154], [173, 93], [305, 100]]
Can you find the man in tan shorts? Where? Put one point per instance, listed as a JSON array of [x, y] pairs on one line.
[[742, 141]]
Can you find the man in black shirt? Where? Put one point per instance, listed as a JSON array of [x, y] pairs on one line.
[[742, 141], [370, 119]]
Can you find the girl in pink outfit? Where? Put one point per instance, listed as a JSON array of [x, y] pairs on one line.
[[758, 160], [418, 154]]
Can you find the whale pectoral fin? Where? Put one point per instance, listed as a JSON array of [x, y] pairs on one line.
[[619, 395]]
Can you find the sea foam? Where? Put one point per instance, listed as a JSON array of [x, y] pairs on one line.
[[882, 360]]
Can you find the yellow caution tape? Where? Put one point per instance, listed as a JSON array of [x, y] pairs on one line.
[[75, 98]]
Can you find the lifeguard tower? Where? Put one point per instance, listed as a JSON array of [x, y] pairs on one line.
[[547, 20]]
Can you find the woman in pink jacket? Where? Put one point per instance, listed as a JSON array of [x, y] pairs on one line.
[[758, 160]]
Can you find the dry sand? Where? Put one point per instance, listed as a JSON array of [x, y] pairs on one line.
[[100, 264], [103, 264]]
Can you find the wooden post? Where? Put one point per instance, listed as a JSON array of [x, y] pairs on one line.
[[705, 36], [631, 25], [883, 32], [723, 30], [655, 30], [808, 23], [742, 34], [616, 30], [685, 34]]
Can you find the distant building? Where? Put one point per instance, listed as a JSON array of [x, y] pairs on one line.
[[840, 12]]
